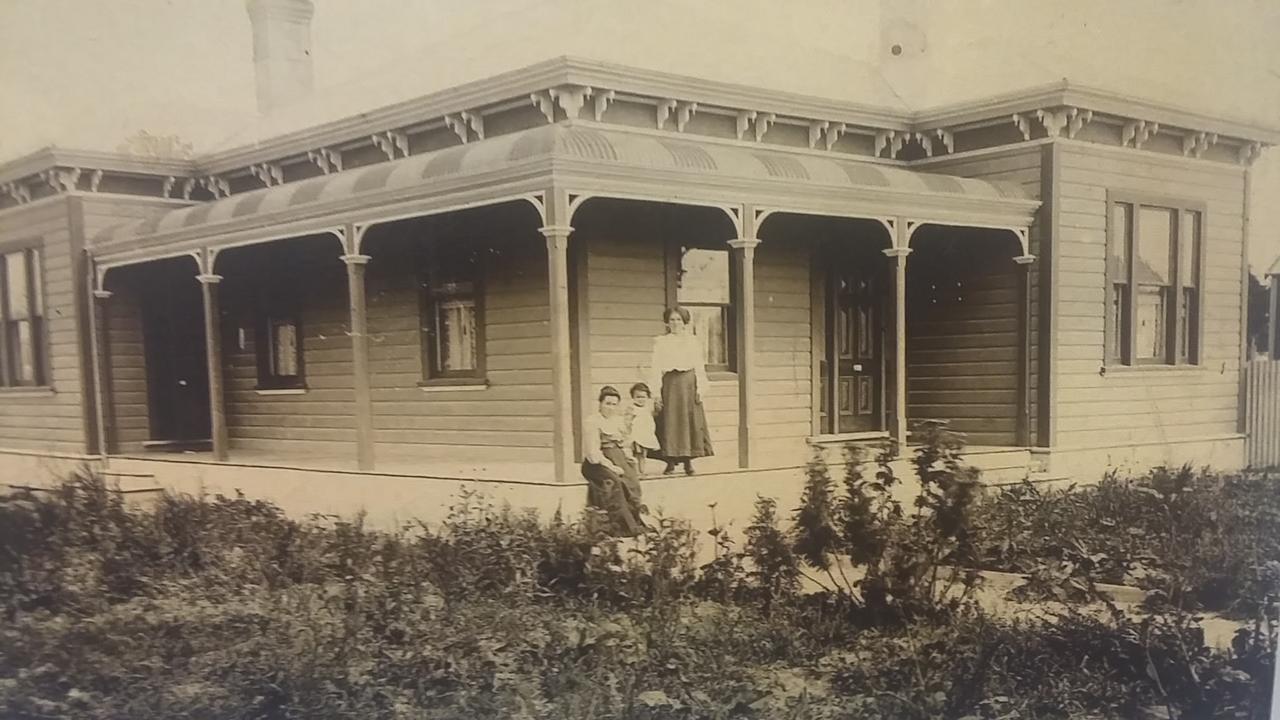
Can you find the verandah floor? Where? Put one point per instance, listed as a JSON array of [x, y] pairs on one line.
[[998, 464]]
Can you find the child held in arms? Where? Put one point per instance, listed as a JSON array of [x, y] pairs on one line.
[[641, 430]]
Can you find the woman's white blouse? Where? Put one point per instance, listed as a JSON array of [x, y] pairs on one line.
[[594, 428], [677, 352]]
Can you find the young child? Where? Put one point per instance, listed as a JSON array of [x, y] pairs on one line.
[[642, 432]]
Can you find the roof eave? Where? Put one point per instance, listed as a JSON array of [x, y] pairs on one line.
[[478, 93], [1065, 93], [557, 71], [51, 157]]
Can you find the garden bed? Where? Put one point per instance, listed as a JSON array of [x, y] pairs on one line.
[[225, 608]]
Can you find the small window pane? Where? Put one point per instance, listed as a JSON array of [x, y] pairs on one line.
[[1186, 324], [1120, 331], [1151, 323], [36, 283], [704, 276], [456, 334], [710, 324], [1122, 236], [16, 282], [284, 341], [1189, 250], [24, 352], [1155, 244]]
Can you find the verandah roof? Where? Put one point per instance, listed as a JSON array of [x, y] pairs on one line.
[[582, 159]]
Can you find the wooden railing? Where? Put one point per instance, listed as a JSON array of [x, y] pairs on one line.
[[1262, 412]]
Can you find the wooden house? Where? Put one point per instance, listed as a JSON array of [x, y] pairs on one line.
[[366, 311]]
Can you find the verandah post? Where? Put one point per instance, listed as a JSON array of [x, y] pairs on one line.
[[213, 354], [899, 255], [99, 339], [561, 378], [1024, 349], [357, 304], [745, 328]]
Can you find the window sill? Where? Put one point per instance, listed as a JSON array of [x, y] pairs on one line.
[[827, 439], [1157, 368], [453, 385], [281, 391], [25, 391], [722, 376]]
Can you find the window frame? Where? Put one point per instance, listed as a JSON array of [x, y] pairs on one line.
[[1125, 334], [36, 297], [433, 272], [673, 252], [264, 347]]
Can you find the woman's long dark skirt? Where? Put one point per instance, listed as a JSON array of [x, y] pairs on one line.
[[682, 423], [618, 496]]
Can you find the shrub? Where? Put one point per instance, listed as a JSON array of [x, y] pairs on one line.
[[1194, 539], [774, 576], [908, 564]]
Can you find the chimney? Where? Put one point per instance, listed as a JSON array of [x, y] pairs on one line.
[[281, 50]]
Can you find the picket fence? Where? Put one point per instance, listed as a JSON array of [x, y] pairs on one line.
[[1262, 412]]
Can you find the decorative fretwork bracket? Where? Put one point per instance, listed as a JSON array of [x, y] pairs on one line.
[[926, 142], [1023, 123], [891, 139], [834, 132], [571, 98], [683, 110], [545, 103], [187, 187], [1139, 131], [1249, 152], [663, 111], [816, 130], [823, 128], [62, 180], [20, 193], [744, 121], [1077, 119], [760, 121], [390, 143], [1194, 144], [269, 173], [602, 98], [948, 139], [167, 189], [216, 185], [764, 121], [95, 179], [1070, 119], [465, 124], [327, 160]]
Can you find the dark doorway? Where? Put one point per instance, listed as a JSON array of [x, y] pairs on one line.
[[174, 347], [851, 370]]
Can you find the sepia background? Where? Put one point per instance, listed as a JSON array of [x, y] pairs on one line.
[[88, 74]]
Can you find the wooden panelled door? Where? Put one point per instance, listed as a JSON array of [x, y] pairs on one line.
[[177, 375], [851, 369]]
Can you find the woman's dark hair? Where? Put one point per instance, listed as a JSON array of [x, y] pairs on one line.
[[641, 387], [609, 391], [684, 314]]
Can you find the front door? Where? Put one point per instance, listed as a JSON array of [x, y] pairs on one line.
[[177, 376], [851, 369]]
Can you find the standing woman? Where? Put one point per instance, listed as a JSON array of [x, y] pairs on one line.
[[679, 371], [613, 484]]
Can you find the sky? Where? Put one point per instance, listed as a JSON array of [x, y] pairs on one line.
[[89, 73]]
